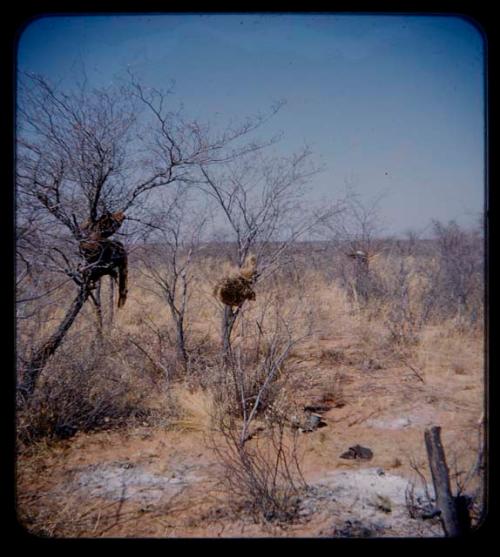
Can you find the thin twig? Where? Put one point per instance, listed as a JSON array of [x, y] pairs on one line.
[[412, 368]]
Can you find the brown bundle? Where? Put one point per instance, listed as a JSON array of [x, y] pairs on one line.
[[104, 227], [234, 289], [106, 257]]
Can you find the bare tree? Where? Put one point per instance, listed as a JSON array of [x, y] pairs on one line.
[[167, 259], [83, 153], [357, 233], [263, 203], [360, 227]]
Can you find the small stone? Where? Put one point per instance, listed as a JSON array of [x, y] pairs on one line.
[[311, 423], [358, 452]]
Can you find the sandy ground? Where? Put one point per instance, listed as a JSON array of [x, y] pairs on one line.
[[154, 482]]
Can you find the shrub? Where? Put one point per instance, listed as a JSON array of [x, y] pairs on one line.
[[262, 475], [455, 275], [82, 391]]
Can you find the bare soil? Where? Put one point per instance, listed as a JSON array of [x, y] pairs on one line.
[[163, 482]]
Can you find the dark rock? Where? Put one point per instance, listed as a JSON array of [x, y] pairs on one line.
[[312, 423], [356, 529], [357, 452]]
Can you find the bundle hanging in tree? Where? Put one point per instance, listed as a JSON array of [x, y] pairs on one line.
[[106, 257], [234, 289]]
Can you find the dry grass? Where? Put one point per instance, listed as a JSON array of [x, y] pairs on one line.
[[307, 304], [196, 409], [350, 358]]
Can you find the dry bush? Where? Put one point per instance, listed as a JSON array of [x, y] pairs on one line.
[[433, 281], [262, 475], [419, 505], [364, 286], [413, 282], [455, 276], [151, 346], [245, 385], [259, 366], [414, 290], [248, 383], [85, 389], [402, 311]]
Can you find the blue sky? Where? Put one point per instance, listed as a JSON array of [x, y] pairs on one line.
[[388, 104]]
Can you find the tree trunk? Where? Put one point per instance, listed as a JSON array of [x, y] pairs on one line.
[[452, 515], [40, 358], [98, 309], [228, 320], [181, 343]]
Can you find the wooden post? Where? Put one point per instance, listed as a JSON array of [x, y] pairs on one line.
[[445, 502]]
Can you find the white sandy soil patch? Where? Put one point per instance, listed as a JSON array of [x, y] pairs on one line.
[[366, 503], [125, 481]]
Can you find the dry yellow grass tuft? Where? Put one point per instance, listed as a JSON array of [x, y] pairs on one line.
[[195, 409]]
